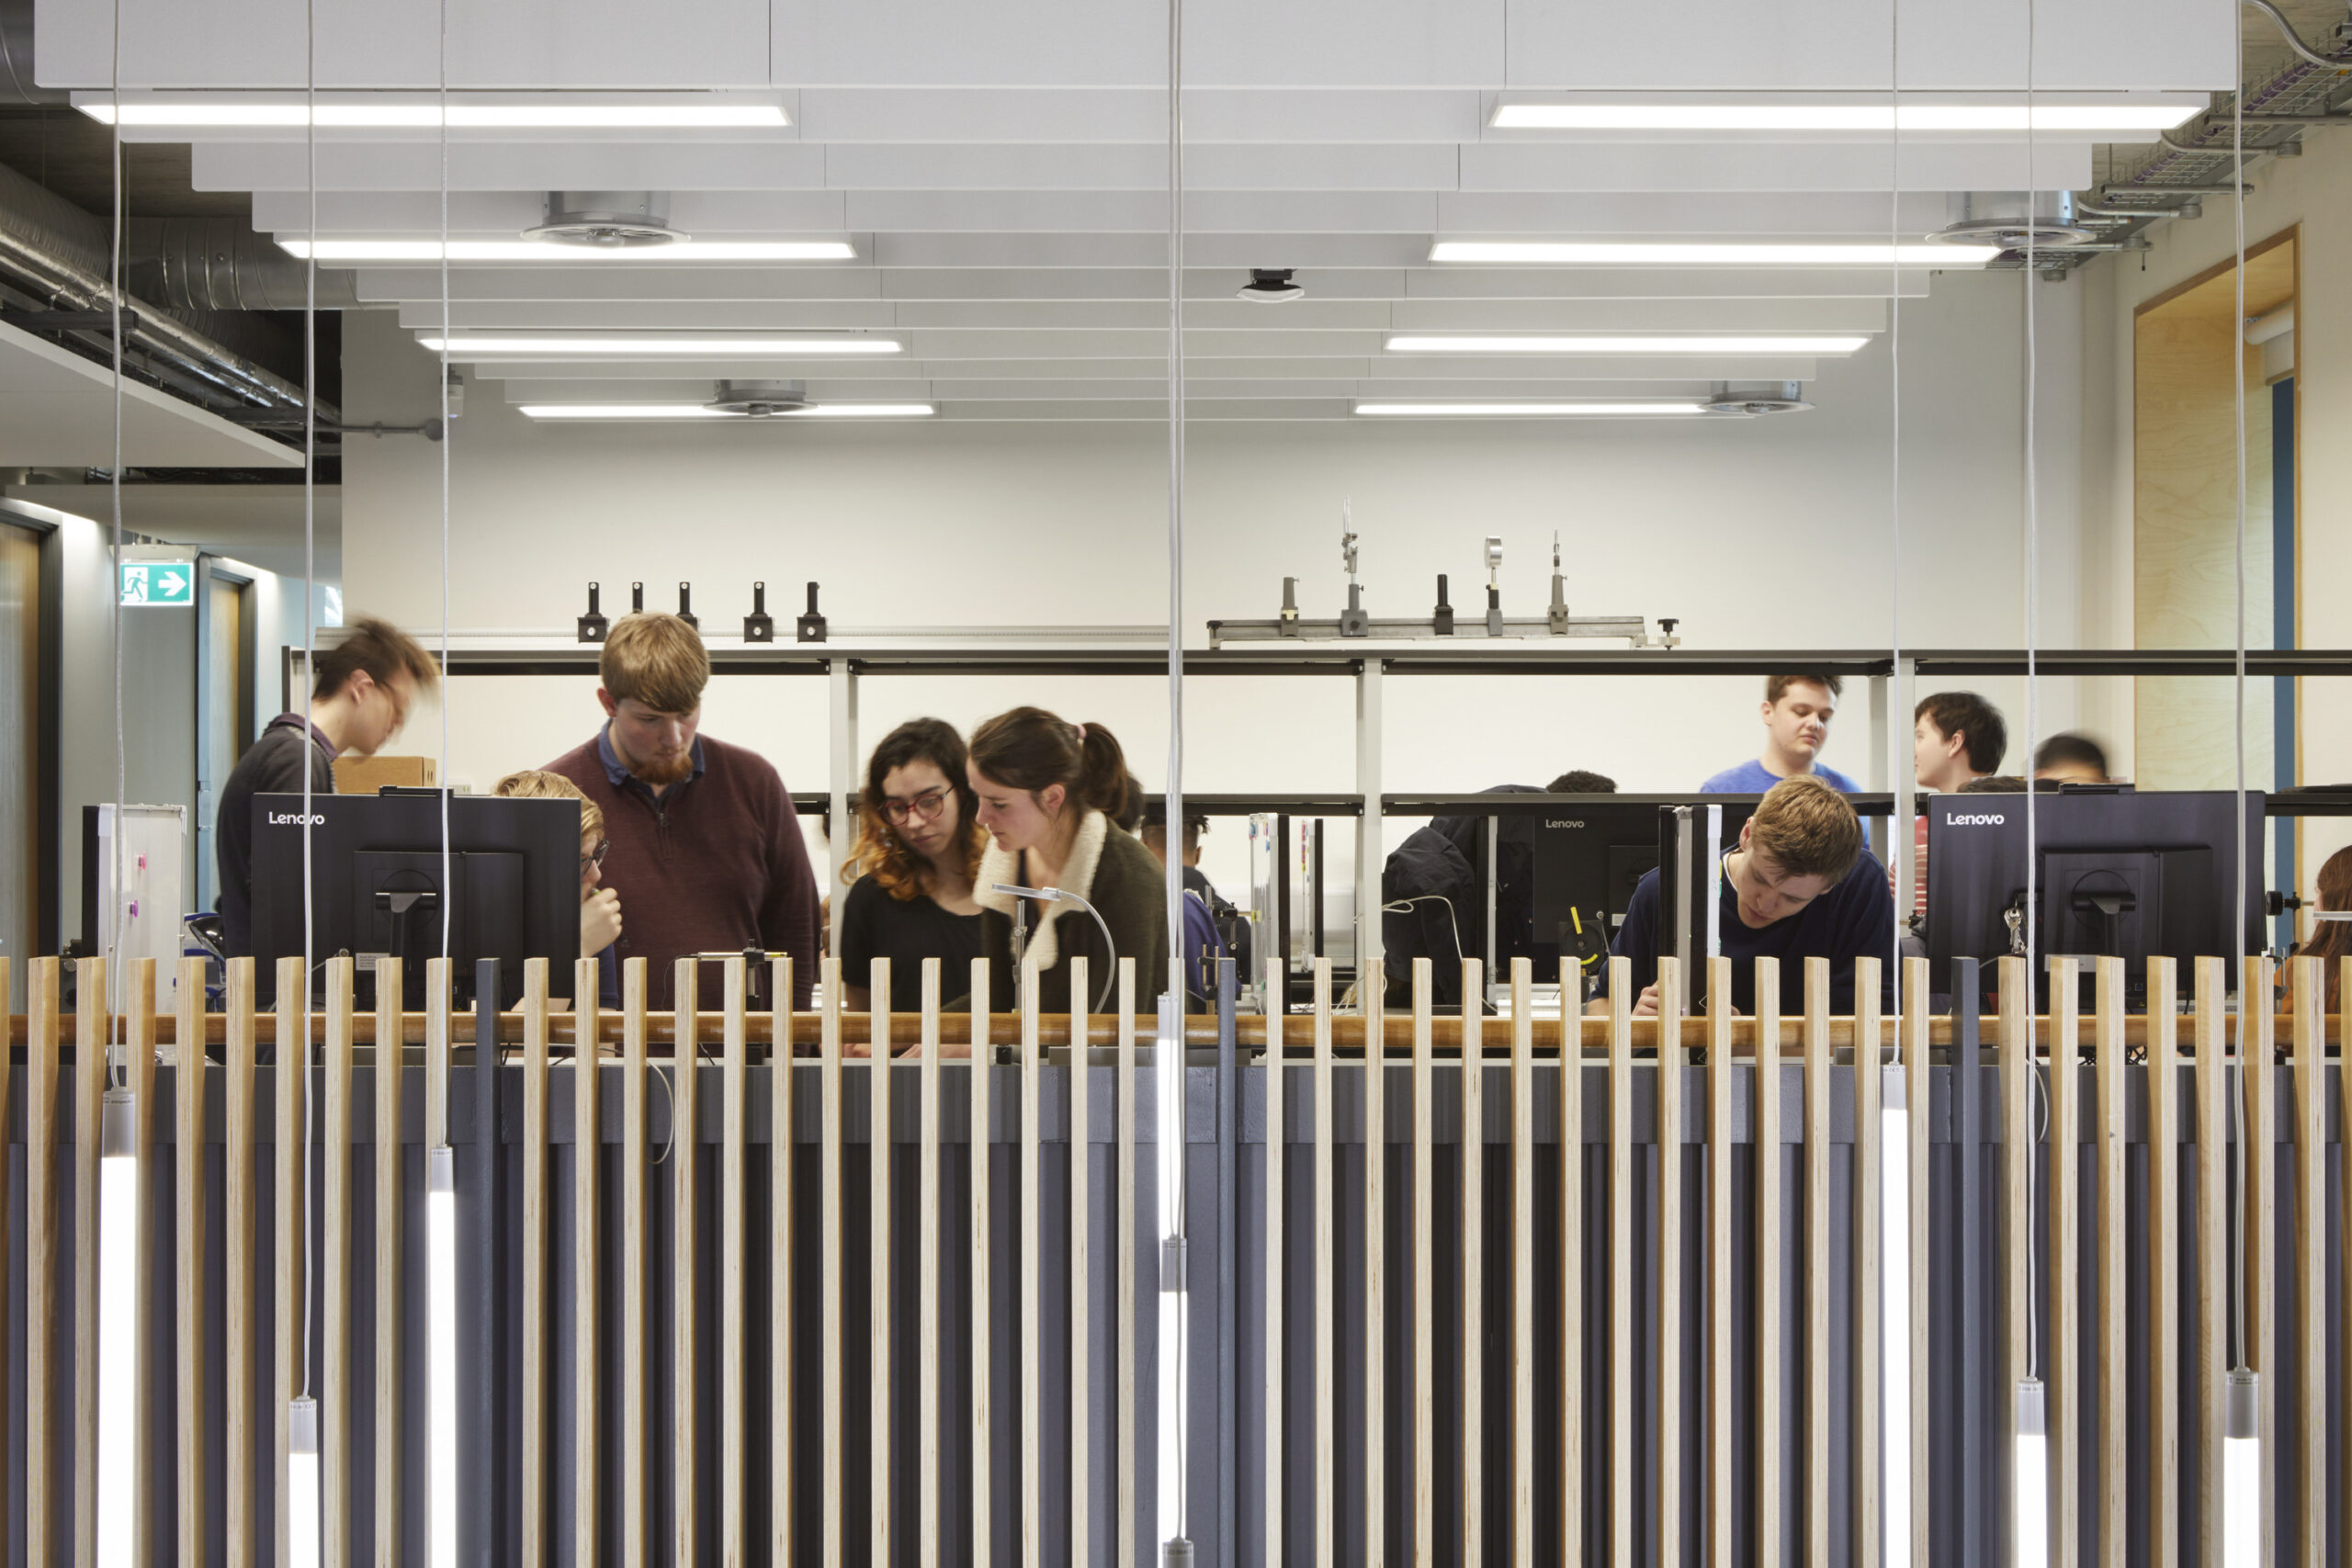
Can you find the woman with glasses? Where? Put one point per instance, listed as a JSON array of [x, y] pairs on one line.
[[600, 907], [911, 873]]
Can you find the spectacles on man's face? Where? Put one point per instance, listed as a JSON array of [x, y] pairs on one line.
[[921, 808], [595, 857]]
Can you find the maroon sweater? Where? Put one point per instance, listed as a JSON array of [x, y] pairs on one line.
[[715, 864]]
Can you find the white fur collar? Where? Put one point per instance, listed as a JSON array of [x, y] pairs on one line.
[[1000, 865]]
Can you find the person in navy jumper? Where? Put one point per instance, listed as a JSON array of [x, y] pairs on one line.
[[1797, 711], [1800, 885]]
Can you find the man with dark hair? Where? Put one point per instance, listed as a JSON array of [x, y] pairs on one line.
[[1432, 892], [1796, 713], [1800, 885], [1957, 737], [2071, 757], [363, 686], [1211, 926]]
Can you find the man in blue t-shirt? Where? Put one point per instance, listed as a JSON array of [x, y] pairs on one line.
[[1797, 711], [1800, 886]]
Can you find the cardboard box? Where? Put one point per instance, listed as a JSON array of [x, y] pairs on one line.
[[366, 775]]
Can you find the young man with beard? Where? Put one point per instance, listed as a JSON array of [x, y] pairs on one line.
[[705, 851]]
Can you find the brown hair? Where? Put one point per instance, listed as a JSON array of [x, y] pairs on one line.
[[376, 648], [879, 853], [538, 783], [1776, 685], [2333, 941], [1032, 750], [1807, 829], [1966, 713], [658, 659]]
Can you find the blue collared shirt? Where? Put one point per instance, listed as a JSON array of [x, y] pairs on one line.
[[617, 771]]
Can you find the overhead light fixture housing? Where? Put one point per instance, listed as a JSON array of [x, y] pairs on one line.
[[2119, 118], [1647, 343], [2014, 220], [1565, 252], [1272, 286], [349, 252], [651, 346], [748, 408], [409, 114], [1662, 409], [606, 219]]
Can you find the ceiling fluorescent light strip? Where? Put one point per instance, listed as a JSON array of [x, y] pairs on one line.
[[541, 252], [1841, 116], [658, 347], [463, 117], [1511, 411], [1630, 345], [1562, 253], [696, 410]]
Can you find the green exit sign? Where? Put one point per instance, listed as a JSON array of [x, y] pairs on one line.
[[169, 582]]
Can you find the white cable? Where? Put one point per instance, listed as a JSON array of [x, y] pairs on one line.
[[1907, 849], [448, 910], [2032, 528], [2237, 867], [114, 590], [1404, 907], [1172, 1014], [302, 1063]]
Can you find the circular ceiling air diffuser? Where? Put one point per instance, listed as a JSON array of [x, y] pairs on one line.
[[2013, 219], [1786, 398], [760, 400], [1270, 286], [606, 219]]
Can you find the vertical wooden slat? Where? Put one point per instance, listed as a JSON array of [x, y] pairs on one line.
[[385, 1075], [1326, 1323], [1277, 1124], [1722, 1508], [2164, 1391], [2114, 1232], [829, 1206], [1671, 1057], [1621, 1260], [1573, 1243], [1126, 1119], [1081, 1131], [93, 1028], [1424, 1284], [686, 1346], [1032, 1289], [1723, 1484], [535, 1222], [587, 1264], [983, 1249], [2214, 1134], [928, 1283], [2258, 1051], [1522, 1253], [879, 1426], [290, 1054], [734, 1154], [1870, 1279], [2065, 1397], [2311, 1255], [686, 1261], [335, 1288], [1819, 1058], [636, 1254], [1915, 1102], [782, 1127], [147, 1127], [41, 1258], [1770, 1465], [238, 1316], [1371, 987], [192, 1221], [2020, 1134]]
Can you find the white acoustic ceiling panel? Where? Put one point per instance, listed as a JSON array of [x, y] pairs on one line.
[[57, 409]]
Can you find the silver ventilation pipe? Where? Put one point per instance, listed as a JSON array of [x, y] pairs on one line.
[[59, 252], [220, 263]]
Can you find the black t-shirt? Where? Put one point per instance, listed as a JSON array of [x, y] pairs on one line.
[[874, 925], [272, 765]]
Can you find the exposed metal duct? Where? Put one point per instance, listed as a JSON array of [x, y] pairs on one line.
[[61, 253], [220, 263]]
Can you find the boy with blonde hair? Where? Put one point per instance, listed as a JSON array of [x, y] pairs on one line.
[[600, 907]]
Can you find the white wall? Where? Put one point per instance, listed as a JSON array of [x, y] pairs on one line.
[[1757, 534], [2315, 192]]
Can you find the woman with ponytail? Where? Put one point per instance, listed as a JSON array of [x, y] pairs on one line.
[[1050, 795], [911, 873]]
